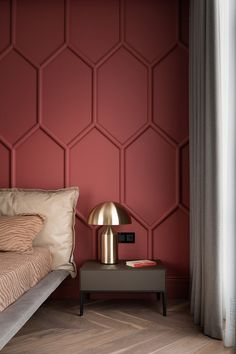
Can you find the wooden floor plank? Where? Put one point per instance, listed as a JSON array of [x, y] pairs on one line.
[[112, 327]]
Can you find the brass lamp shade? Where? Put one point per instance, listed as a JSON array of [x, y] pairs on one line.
[[109, 213]]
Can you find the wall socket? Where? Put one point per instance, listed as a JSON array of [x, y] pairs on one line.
[[126, 237]]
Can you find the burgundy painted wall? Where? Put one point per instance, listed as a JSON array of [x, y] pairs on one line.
[[95, 94]]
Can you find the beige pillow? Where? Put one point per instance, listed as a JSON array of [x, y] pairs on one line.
[[17, 232], [58, 206]]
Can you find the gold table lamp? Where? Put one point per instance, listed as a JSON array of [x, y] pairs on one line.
[[109, 213]]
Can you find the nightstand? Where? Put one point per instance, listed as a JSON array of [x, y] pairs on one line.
[[102, 278]]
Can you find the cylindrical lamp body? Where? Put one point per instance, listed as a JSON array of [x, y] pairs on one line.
[[109, 246]]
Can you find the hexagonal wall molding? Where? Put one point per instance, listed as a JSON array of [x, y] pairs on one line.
[[17, 96], [66, 96], [171, 94], [83, 242], [94, 94], [94, 167], [150, 176], [151, 26], [122, 95], [94, 26], [171, 243], [5, 24], [39, 27], [137, 250], [5, 166], [39, 163]]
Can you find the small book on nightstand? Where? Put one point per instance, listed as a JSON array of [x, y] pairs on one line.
[[140, 263]]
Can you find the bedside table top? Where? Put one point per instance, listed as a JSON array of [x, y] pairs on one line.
[[121, 266]]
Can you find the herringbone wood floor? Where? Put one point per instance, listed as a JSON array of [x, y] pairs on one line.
[[112, 327]]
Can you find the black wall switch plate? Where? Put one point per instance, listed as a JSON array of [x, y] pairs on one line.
[[126, 237]]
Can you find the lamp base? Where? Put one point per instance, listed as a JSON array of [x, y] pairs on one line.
[[109, 246]]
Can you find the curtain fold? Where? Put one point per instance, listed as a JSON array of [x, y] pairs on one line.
[[204, 167], [213, 166], [228, 58]]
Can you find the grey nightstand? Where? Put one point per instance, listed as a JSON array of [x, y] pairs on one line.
[[96, 277]]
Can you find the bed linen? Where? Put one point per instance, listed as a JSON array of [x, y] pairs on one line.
[[19, 272]]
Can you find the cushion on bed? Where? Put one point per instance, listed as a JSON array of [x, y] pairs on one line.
[[58, 206], [17, 232]]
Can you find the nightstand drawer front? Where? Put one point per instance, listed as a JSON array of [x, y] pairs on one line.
[[140, 281]]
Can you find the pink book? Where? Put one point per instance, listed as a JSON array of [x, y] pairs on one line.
[[140, 263]]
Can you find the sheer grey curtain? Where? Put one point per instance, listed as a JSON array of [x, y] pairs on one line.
[[213, 166]]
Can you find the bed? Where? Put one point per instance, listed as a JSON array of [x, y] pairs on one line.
[[29, 275], [17, 314]]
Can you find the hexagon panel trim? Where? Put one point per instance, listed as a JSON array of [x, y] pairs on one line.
[[5, 24], [39, 163], [173, 231], [94, 26], [170, 97], [18, 85], [93, 93], [122, 95], [67, 96], [137, 250], [151, 27], [94, 167], [5, 166], [150, 176], [83, 242], [39, 34]]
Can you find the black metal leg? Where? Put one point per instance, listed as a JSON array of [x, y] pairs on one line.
[[81, 303], [158, 296], [163, 297]]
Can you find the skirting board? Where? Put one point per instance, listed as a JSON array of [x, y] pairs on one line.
[[17, 314]]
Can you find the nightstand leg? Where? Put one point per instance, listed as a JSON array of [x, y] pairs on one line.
[[81, 303], [163, 297]]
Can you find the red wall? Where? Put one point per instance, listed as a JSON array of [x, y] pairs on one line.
[[95, 94]]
